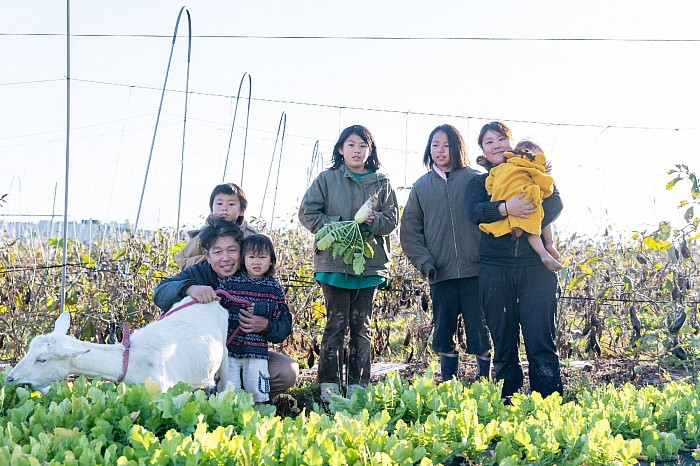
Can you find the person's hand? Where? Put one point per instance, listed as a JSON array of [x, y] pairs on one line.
[[369, 220], [203, 294], [519, 207], [250, 323]]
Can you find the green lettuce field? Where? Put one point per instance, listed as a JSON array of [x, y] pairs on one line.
[[628, 335]]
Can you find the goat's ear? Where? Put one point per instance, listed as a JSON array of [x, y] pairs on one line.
[[66, 349], [62, 323]]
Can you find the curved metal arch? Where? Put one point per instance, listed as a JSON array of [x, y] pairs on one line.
[[160, 106], [184, 121], [233, 124], [316, 162], [283, 128]]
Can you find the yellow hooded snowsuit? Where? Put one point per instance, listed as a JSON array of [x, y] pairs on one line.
[[519, 175]]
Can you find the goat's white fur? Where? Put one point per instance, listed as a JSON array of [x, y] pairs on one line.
[[188, 345]]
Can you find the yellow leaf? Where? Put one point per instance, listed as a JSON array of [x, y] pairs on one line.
[[319, 310]]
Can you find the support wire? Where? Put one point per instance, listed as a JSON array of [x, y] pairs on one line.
[[282, 127], [315, 165]]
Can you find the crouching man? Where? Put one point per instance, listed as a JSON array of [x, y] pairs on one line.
[[221, 240]]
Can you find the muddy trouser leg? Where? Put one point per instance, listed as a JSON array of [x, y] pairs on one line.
[[498, 297], [475, 324], [337, 301], [284, 372], [538, 304], [360, 354], [446, 309]]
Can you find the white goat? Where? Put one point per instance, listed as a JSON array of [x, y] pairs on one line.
[[189, 346]]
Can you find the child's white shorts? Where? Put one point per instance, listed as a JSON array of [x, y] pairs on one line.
[[253, 374]]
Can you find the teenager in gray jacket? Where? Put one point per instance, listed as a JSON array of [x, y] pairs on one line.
[[440, 241], [337, 194]]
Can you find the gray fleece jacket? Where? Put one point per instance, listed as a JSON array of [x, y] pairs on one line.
[[436, 234]]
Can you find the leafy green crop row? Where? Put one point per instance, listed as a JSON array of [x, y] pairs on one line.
[[392, 422]]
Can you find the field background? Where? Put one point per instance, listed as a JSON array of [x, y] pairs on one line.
[[627, 312]]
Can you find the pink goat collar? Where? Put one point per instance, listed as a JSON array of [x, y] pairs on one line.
[[126, 341]]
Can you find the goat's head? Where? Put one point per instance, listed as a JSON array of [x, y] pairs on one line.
[[48, 358]]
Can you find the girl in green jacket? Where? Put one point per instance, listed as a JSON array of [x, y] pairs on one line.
[[336, 194]]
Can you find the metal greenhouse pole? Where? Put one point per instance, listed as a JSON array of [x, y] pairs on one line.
[[65, 201], [184, 123]]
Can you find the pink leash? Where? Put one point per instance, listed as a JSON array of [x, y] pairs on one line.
[[126, 333], [223, 293]]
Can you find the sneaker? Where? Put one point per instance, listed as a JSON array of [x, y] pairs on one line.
[[328, 390]]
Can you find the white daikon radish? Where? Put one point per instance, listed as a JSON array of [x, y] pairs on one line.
[[366, 209]]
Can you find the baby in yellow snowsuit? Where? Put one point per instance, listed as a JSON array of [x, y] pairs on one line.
[[525, 171]]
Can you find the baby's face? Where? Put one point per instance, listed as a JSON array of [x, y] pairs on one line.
[[227, 206], [257, 263]]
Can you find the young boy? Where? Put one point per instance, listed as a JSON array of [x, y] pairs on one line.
[[526, 171], [226, 201]]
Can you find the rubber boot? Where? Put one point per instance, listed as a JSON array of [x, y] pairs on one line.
[[483, 367], [449, 362], [351, 389], [328, 389]]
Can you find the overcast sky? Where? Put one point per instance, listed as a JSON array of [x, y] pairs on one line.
[[609, 89]]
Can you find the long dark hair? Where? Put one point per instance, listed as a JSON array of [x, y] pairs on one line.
[[458, 150], [372, 162]]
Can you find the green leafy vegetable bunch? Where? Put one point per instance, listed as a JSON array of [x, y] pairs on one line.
[[347, 239]]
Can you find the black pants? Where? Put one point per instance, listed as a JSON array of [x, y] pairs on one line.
[[515, 299], [450, 299], [346, 308]]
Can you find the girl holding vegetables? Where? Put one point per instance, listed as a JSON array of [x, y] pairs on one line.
[[336, 195]]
